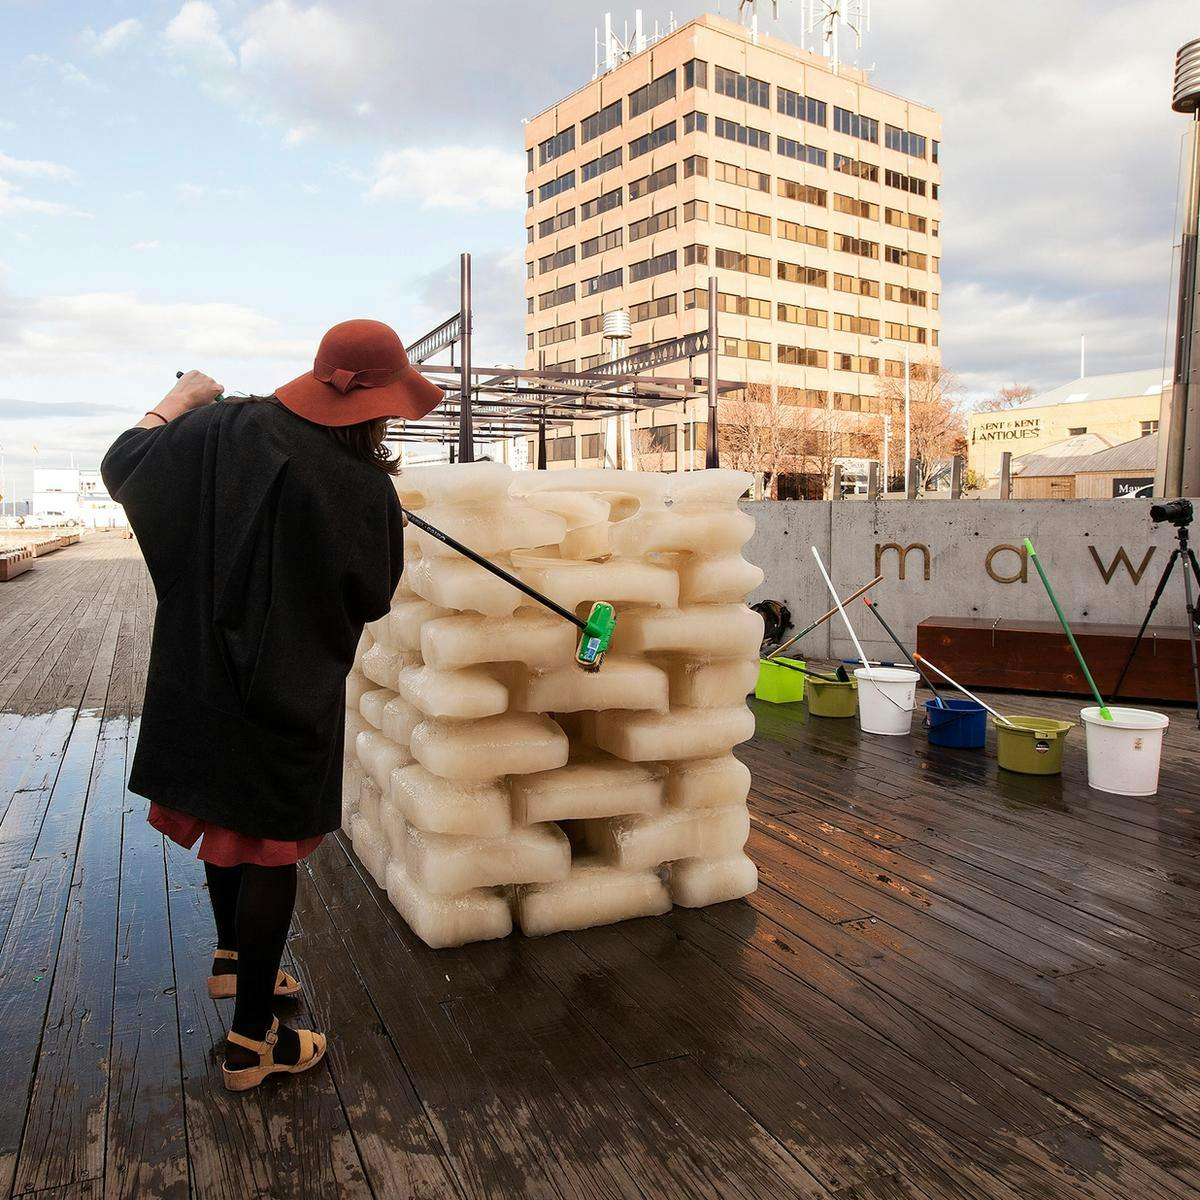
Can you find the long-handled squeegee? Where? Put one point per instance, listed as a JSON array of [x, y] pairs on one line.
[[597, 630]]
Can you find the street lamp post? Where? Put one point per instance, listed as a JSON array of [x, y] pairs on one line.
[[907, 421], [887, 437]]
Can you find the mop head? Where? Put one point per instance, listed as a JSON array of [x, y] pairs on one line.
[[594, 642]]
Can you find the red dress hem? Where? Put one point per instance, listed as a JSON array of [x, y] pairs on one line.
[[226, 847]]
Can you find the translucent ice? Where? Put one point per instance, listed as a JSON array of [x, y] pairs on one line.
[[444, 864], [460, 584], [718, 488], [380, 757], [650, 488], [621, 683], [371, 705], [594, 893], [681, 733], [699, 629], [382, 665], [577, 509], [406, 619], [638, 842], [696, 882], [447, 806], [351, 787], [572, 584], [399, 719], [708, 782], [713, 580], [441, 921], [464, 483], [371, 846], [536, 638], [595, 785], [711, 683], [356, 684], [512, 744], [489, 529], [708, 532], [462, 694], [370, 796]]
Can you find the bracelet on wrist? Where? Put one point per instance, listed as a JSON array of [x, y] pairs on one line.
[[152, 413]]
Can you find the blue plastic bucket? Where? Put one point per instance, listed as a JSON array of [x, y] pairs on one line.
[[961, 724]]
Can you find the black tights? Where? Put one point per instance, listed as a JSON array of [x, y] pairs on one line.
[[252, 907]]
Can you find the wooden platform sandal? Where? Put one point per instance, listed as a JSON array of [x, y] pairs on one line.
[[242, 1079], [224, 987]]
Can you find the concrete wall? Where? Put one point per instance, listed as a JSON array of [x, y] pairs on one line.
[[959, 536]]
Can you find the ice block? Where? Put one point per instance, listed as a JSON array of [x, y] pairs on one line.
[[356, 684], [444, 864], [629, 683], [399, 719], [638, 842], [512, 744], [594, 893], [574, 584], [716, 580], [708, 782], [463, 694], [382, 666], [538, 639], [590, 785], [406, 619], [697, 882], [728, 630], [380, 756], [442, 921], [711, 682], [438, 805], [459, 584], [680, 733], [371, 705]]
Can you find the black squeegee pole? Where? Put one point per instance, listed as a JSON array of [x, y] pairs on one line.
[[499, 572]]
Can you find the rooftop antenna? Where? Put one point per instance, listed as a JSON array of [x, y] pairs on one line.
[[750, 8], [617, 48], [826, 18]]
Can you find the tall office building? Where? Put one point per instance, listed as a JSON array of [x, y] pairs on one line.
[[812, 196]]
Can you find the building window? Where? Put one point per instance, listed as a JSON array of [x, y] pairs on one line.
[[652, 224], [906, 220], [528, 199], [797, 314], [744, 348], [744, 135], [935, 301], [904, 295], [602, 204], [856, 286], [856, 208], [801, 356], [1147, 427], [805, 193], [695, 210], [600, 243], [695, 74], [556, 146], [663, 177], [560, 449], [905, 183], [795, 273], [694, 254], [860, 364], [936, 190], [563, 220], [936, 145], [750, 221], [591, 325], [749, 264], [529, 341], [664, 306], [657, 92], [562, 184], [562, 295], [695, 122], [560, 258], [529, 235], [728, 173], [934, 227], [597, 167], [529, 305], [529, 270], [660, 439], [1077, 431], [589, 445], [798, 150], [900, 257], [556, 334], [808, 234], [602, 283], [849, 323], [852, 245], [528, 159], [864, 128], [851, 166], [742, 306], [912, 144], [600, 122], [652, 140], [697, 164], [658, 265], [803, 108], [741, 87], [897, 331]]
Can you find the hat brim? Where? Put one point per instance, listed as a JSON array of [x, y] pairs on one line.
[[410, 396]]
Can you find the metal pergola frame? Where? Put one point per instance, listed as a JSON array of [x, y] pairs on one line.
[[488, 404]]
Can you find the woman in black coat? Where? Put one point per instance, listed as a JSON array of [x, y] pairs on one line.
[[272, 534]]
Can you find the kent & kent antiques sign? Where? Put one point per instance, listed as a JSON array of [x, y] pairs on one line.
[[1006, 429]]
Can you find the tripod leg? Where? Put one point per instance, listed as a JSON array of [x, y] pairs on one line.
[[1137, 641], [1191, 616]]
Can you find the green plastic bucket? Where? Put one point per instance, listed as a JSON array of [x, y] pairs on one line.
[[1034, 747], [779, 685], [832, 698]]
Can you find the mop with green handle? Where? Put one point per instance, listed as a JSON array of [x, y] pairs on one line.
[[1037, 562]]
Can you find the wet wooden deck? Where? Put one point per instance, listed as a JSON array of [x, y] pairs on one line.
[[950, 985]]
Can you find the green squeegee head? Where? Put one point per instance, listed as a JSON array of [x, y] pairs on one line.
[[596, 635]]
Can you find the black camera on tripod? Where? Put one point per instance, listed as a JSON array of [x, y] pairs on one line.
[[1177, 512]]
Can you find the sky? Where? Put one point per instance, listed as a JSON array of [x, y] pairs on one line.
[[213, 183]]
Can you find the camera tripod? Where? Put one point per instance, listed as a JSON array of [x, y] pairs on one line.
[[1186, 557]]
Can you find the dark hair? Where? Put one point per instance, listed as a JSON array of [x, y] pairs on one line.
[[364, 440]]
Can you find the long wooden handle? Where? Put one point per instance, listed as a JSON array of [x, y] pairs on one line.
[[825, 617]]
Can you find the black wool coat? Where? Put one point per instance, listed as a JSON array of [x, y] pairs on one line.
[[269, 546]]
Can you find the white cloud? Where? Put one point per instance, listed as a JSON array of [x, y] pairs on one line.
[[451, 177], [33, 168], [144, 246], [195, 33], [112, 38]]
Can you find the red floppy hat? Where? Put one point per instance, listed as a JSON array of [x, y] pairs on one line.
[[361, 372]]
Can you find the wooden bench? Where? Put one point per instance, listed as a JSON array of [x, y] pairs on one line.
[[1035, 656], [15, 562]]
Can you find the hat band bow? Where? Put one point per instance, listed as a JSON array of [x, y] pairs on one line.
[[346, 381]]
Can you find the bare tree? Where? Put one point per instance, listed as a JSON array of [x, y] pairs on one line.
[[760, 433], [1009, 396], [936, 415], [651, 449]]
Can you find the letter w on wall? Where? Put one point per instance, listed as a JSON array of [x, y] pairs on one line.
[[1135, 573]]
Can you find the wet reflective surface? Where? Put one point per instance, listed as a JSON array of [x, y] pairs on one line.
[[952, 982]]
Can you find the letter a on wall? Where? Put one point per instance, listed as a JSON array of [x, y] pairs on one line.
[[1022, 572]]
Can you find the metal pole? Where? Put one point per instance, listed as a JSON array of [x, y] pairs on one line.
[[907, 425], [712, 455], [887, 439], [1006, 475], [466, 450], [541, 451], [956, 477]]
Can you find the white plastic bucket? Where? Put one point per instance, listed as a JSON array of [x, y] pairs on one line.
[[885, 699], [1123, 754]]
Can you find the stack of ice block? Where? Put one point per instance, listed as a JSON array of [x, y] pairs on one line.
[[487, 776]]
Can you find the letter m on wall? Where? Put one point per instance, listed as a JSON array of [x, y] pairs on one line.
[[1135, 573], [902, 553]]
